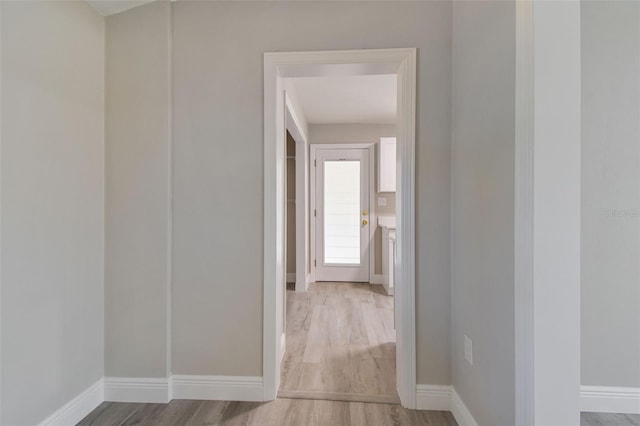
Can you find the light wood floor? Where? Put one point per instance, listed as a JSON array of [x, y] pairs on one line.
[[602, 419], [340, 344], [294, 412]]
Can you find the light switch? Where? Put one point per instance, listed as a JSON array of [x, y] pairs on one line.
[[382, 201]]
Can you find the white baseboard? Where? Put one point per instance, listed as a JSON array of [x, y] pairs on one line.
[[433, 397], [460, 411], [604, 399], [78, 408], [291, 277], [222, 388], [444, 398], [151, 390], [120, 389]]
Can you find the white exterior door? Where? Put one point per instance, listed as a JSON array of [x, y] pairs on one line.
[[342, 215]]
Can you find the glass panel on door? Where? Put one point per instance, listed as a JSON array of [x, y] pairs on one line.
[[342, 212], [341, 218]]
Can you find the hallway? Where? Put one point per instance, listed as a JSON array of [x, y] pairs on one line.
[[340, 344]]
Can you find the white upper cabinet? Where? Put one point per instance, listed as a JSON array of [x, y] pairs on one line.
[[387, 165]]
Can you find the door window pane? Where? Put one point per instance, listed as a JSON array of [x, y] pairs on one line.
[[342, 212]]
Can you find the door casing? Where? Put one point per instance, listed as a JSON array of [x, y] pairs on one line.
[[280, 65]]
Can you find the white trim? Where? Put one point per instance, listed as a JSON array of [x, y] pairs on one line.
[[547, 193], [444, 398], [405, 302], [298, 132], [381, 61], [556, 212], [433, 397], [156, 390], [605, 399], [78, 408], [169, 270], [302, 199], [460, 411], [523, 244], [148, 390], [373, 216], [103, 180], [272, 228], [219, 388], [312, 209]]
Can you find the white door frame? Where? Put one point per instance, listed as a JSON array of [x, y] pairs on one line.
[[351, 62], [372, 215], [547, 213], [292, 123]]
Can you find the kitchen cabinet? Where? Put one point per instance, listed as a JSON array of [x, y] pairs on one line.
[[387, 165]]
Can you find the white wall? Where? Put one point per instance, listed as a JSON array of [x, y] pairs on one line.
[[137, 192], [52, 169], [218, 166], [611, 193], [482, 207]]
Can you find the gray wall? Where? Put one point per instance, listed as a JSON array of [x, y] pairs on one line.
[[218, 139], [483, 207], [362, 133], [610, 193], [137, 191], [52, 205]]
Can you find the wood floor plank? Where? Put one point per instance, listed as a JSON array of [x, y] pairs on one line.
[[291, 412], [177, 412], [207, 413], [111, 413], [146, 414], [606, 419], [239, 413], [340, 339], [98, 413]]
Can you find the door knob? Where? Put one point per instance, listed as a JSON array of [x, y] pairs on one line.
[[365, 222], [364, 213]]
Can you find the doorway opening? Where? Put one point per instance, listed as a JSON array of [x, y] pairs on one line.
[[341, 259], [340, 336]]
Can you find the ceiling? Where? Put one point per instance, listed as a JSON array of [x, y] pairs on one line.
[[110, 7], [347, 99]]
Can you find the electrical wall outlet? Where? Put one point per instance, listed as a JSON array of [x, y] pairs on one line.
[[382, 201], [468, 349]]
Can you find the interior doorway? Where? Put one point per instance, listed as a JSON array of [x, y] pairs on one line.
[[340, 337], [279, 66]]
